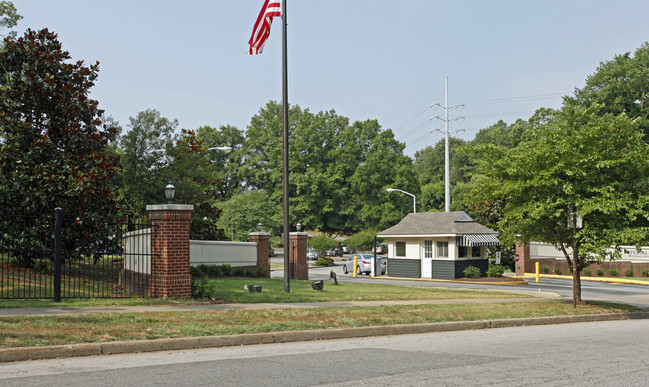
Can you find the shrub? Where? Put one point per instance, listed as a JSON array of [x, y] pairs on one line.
[[213, 271], [495, 271], [545, 269], [613, 273], [558, 271], [203, 288], [645, 273], [587, 273], [194, 271], [262, 272], [629, 273], [472, 272], [238, 272], [323, 261], [600, 272], [226, 269]]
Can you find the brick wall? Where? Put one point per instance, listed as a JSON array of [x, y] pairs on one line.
[[297, 258], [170, 250], [527, 263], [262, 239]]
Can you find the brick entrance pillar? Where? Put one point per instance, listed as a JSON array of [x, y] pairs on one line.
[[297, 258], [262, 239], [170, 249], [524, 262]]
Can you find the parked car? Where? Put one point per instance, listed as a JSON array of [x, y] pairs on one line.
[[381, 249], [311, 254], [271, 252], [335, 252], [363, 264], [346, 250]]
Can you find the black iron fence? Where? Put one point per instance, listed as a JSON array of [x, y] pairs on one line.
[[59, 257]]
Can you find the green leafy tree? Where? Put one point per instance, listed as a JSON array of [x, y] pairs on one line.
[[321, 243], [620, 85], [197, 182], [53, 146], [578, 161], [228, 162], [9, 16], [143, 159], [243, 211]]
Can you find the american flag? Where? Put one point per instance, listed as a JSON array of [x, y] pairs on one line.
[[261, 30]]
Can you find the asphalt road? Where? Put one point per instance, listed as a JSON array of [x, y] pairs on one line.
[[614, 353], [636, 295]]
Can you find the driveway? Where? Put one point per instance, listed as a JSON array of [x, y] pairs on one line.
[[631, 294]]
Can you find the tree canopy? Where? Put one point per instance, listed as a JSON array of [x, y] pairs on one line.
[[53, 144], [579, 161]]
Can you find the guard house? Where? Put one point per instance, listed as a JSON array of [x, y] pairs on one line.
[[438, 245]]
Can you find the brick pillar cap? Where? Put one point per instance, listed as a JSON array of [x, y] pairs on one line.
[[171, 207], [299, 233], [259, 234]]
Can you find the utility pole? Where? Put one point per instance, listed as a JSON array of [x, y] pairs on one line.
[[447, 178]]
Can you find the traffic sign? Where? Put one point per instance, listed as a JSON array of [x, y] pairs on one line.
[[517, 258]]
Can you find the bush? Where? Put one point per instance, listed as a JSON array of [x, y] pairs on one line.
[[629, 273], [472, 272], [495, 271], [587, 273], [558, 271], [323, 261], [213, 271], [545, 269], [238, 272], [613, 273], [226, 269], [600, 273], [195, 271], [203, 288], [262, 272], [645, 273]]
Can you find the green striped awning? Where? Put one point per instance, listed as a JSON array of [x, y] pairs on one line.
[[478, 240]]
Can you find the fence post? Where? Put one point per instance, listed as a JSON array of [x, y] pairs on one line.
[[58, 249]]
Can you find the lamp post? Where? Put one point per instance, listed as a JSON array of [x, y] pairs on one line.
[[414, 200], [170, 192], [259, 226]]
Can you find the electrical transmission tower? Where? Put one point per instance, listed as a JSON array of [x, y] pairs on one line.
[[446, 119]]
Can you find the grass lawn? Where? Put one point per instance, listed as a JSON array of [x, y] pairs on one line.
[[52, 330], [232, 289], [17, 331]]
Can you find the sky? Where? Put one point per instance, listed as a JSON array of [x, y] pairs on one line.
[[364, 59]]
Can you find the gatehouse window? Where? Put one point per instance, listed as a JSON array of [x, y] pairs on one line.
[[442, 249], [400, 249]]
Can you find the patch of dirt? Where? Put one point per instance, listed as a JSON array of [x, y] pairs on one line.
[[219, 301], [489, 279]]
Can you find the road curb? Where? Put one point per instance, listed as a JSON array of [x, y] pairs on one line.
[[185, 343], [594, 279]]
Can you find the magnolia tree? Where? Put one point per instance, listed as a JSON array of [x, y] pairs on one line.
[[576, 163]]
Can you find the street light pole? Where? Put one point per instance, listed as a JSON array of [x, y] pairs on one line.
[[414, 200]]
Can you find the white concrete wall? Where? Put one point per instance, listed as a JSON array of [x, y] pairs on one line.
[[628, 253], [236, 254], [137, 252]]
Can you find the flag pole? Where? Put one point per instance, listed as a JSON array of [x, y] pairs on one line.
[[287, 278]]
